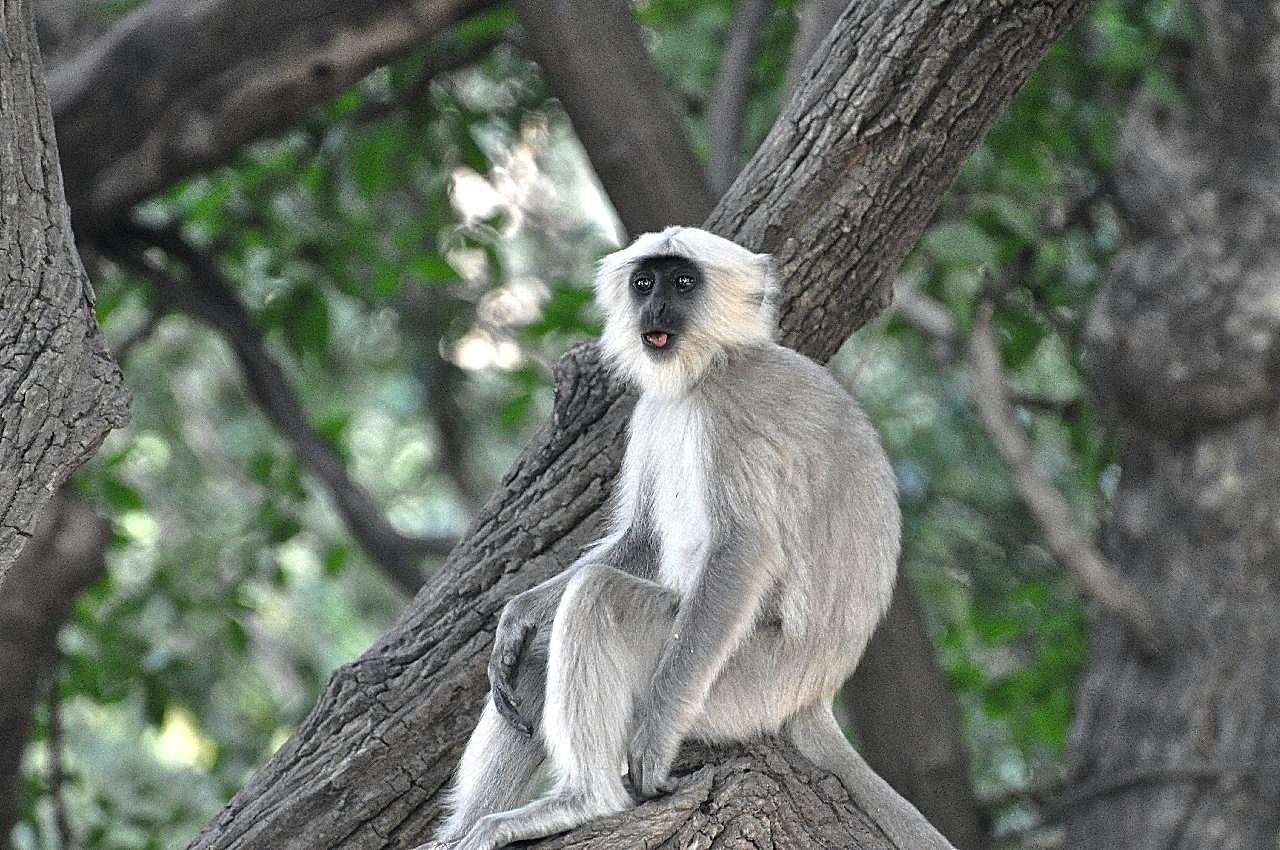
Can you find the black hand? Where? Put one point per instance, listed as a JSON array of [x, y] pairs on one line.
[[504, 664]]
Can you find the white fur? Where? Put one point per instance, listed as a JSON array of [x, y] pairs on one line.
[[674, 455], [738, 308]]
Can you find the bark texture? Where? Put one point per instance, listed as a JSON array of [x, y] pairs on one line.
[[198, 81], [60, 391], [595, 59], [1184, 750], [67, 554], [908, 722], [839, 192]]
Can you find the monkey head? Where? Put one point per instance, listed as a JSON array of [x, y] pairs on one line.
[[678, 301]]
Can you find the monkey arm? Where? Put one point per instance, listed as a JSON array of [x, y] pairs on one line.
[[711, 621], [527, 613]]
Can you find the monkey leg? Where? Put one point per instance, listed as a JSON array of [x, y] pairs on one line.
[[500, 766], [607, 637]]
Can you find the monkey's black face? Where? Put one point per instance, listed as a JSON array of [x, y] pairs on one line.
[[665, 291]]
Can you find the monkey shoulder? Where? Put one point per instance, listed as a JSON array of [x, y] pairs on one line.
[[776, 392]]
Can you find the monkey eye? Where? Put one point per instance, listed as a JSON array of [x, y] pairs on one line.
[[685, 282], [642, 282]]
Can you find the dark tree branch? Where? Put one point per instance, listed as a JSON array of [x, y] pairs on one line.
[[441, 381], [67, 554], [194, 100], [901, 703], [733, 89], [53, 705], [595, 60], [60, 391], [204, 293]]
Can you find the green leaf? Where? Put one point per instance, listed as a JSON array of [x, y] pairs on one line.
[[515, 411], [119, 496], [237, 636], [433, 268], [960, 244], [335, 560], [486, 25]]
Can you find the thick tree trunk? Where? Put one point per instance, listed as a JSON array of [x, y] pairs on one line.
[[839, 192], [198, 81], [1184, 750], [60, 391]]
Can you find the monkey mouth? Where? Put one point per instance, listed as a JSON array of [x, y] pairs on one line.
[[656, 339]]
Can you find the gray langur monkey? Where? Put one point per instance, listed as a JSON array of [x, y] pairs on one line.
[[753, 548]]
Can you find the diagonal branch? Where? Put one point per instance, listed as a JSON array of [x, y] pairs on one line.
[[733, 88], [1069, 545], [205, 294]]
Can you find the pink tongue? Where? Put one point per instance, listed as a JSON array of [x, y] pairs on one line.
[[658, 339]]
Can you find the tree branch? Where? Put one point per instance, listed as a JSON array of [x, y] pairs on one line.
[[60, 391], [205, 294], [1069, 545], [453, 60], [733, 89], [594, 58], [193, 101]]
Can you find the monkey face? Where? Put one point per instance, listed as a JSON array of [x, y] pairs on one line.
[[677, 302], [665, 291]]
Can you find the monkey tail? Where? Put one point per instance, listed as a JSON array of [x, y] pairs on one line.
[[818, 737]]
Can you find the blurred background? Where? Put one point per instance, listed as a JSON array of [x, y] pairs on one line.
[[339, 333]]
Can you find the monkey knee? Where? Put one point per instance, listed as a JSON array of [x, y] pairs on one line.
[[589, 598]]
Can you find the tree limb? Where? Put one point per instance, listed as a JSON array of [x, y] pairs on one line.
[[733, 89], [193, 100], [595, 60], [840, 190], [205, 294], [60, 391], [1068, 544]]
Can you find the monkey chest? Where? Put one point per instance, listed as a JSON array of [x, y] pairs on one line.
[[674, 482]]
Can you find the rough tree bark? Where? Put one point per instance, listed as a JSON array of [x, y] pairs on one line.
[[193, 99], [60, 391], [594, 57], [839, 191], [1184, 342], [67, 554]]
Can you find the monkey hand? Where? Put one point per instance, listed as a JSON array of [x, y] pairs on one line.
[[519, 620], [650, 755]]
